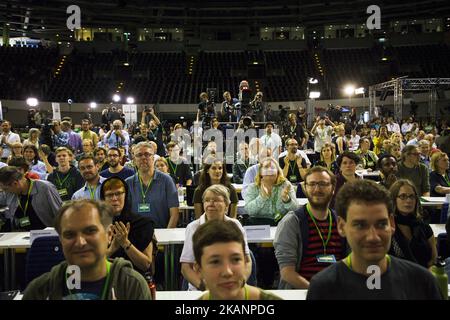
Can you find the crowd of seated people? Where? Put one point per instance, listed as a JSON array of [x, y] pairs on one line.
[[139, 173]]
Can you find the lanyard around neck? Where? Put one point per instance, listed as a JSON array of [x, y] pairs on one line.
[[330, 223], [348, 261], [24, 210], [62, 182], [144, 193], [105, 284], [92, 191], [245, 293]]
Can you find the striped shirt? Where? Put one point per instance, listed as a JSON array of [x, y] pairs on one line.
[[309, 265]]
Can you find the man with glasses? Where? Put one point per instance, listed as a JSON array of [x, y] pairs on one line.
[[115, 168], [412, 169], [32, 204], [66, 178], [89, 171], [151, 192], [307, 240]]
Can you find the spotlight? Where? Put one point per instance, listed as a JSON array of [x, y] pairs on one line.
[[93, 105], [314, 95], [32, 102], [116, 98], [349, 90], [130, 100]]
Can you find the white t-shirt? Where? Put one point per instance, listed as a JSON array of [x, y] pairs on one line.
[[11, 137], [187, 255], [273, 142], [321, 137]]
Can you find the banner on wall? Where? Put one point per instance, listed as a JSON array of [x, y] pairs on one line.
[[130, 112], [56, 111], [1, 111]]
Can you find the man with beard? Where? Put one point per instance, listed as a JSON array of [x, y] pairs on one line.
[[366, 221], [307, 240], [293, 165], [388, 170], [100, 158], [115, 168], [89, 171]]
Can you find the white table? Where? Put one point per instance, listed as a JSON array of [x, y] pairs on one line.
[[432, 201], [194, 295], [9, 242]]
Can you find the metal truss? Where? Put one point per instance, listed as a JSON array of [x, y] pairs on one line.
[[406, 84]]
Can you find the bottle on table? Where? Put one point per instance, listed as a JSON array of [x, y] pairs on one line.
[[439, 273]]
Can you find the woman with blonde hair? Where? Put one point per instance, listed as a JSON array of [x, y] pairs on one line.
[[33, 138], [16, 150], [271, 196], [440, 176]]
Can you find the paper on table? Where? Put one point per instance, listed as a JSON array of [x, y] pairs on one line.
[[257, 232]]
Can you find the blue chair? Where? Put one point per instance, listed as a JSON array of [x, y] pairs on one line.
[[444, 213], [45, 252]]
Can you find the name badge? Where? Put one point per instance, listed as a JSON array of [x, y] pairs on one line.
[[24, 222], [144, 207], [293, 178], [326, 258], [62, 192]]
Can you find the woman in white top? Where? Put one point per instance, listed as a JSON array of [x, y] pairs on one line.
[[216, 200]]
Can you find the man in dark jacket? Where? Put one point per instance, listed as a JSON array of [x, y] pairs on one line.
[[87, 274]]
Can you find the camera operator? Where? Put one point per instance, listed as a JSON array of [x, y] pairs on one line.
[[282, 113], [229, 112], [244, 107], [257, 106], [334, 113], [117, 137], [46, 129], [156, 130], [205, 111]]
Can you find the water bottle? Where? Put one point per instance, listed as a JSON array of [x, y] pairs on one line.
[[438, 271], [151, 285], [180, 195]]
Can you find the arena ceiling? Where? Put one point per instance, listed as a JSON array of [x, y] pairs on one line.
[[44, 18]]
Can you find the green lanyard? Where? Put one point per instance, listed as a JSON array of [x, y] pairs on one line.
[[174, 169], [292, 168], [325, 243], [61, 183], [28, 198], [105, 285], [446, 179], [142, 188], [92, 191], [245, 293], [348, 261]]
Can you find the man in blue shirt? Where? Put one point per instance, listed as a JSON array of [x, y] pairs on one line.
[[152, 193], [117, 137], [89, 171]]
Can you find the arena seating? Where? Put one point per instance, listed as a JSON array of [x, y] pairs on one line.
[[164, 77]]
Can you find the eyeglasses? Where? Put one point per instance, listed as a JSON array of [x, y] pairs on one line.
[[113, 155], [145, 155], [405, 196], [213, 200], [114, 195], [312, 185]]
